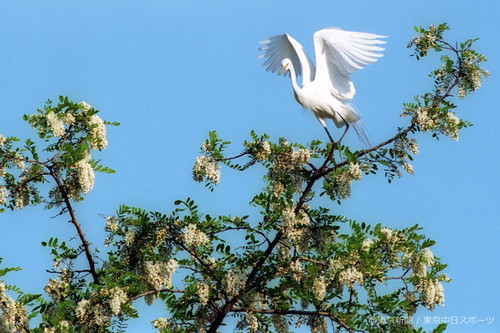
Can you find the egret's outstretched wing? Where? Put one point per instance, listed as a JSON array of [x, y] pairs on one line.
[[284, 46], [340, 53]]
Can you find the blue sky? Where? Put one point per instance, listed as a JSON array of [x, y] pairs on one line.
[[170, 71]]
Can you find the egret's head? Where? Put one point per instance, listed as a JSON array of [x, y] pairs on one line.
[[285, 65]]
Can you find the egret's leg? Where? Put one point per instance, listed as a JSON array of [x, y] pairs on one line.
[[346, 128], [323, 123], [328, 133]]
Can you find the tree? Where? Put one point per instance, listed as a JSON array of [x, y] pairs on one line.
[[298, 261]]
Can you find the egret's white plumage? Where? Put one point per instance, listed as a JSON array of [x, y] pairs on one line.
[[327, 88]]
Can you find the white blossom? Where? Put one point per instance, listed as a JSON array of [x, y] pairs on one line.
[[317, 324], [69, 118], [3, 195], [234, 281], [160, 323], [81, 308], [342, 182], [84, 106], [159, 274], [367, 244], [19, 161], [206, 167], [291, 223], [2, 140], [252, 322], [388, 233], [301, 156], [354, 171], [296, 270], [413, 146], [203, 290], [12, 313], [428, 257], [278, 188], [21, 198], [85, 175], [116, 299], [111, 224], [56, 125], [97, 130], [452, 126], [350, 276], [262, 150], [408, 167], [57, 289], [280, 323], [432, 293], [192, 236], [319, 288], [129, 237]]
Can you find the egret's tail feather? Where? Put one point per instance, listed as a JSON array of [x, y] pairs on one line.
[[361, 132]]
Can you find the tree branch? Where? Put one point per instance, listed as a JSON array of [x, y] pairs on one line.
[[293, 312], [78, 227]]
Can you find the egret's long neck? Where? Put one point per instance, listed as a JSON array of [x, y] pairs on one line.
[[293, 79]]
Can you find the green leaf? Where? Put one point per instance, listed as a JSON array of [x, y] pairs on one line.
[[440, 328]]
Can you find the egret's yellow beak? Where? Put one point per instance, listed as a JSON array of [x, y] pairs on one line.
[[283, 69]]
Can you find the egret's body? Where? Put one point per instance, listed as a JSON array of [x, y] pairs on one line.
[[327, 88]]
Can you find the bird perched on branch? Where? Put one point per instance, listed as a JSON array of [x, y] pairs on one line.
[[327, 88]]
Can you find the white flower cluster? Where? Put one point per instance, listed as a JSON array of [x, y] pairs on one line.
[[432, 293], [280, 323], [159, 274], [367, 244], [401, 148], [474, 74], [349, 276], [261, 150], [81, 181], [3, 195], [57, 289], [2, 140], [252, 323], [129, 237], [19, 161], [296, 270], [450, 127], [97, 130], [21, 197], [92, 315], [12, 314], [203, 290], [301, 156], [84, 106], [448, 124], [292, 225], [160, 323], [69, 118], [418, 262], [56, 125], [62, 327], [194, 237], [342, 181], [319, 288], [206, 167], [235, 280], [112, 224], [117, 297], [85, 175], [317, 324]]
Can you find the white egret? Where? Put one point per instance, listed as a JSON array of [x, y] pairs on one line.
[[326, 89]]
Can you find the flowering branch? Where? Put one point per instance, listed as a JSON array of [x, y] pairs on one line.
[[294, 312]]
